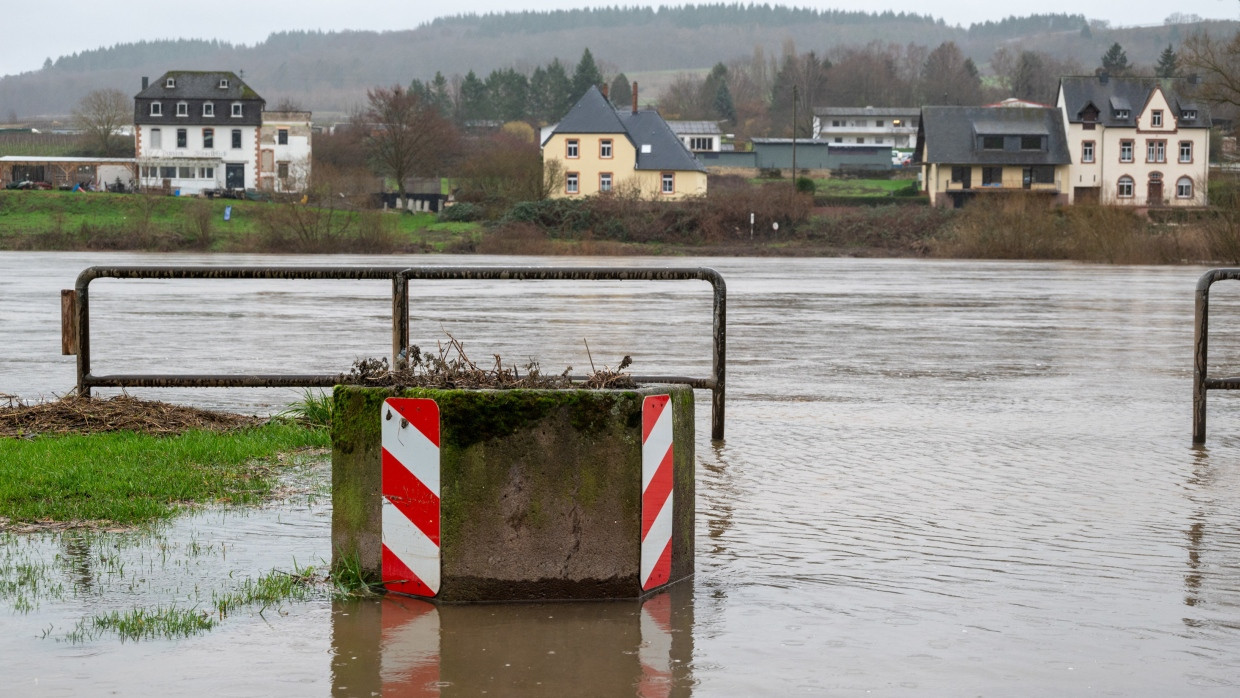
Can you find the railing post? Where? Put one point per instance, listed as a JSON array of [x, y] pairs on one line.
[[719, 356], [83, 334], [1201, 320], [400, 319], [68, 322]]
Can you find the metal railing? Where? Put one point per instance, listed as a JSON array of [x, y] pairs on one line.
[[75, 308], [1201, 337]]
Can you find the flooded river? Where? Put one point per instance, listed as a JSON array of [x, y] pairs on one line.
[[939, 478]]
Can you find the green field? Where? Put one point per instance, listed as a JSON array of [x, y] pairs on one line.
[[130, 478]]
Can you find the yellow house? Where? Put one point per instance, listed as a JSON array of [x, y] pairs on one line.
[[969, 153], [597, 148]]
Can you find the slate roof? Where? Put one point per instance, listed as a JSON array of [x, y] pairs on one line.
[[695, 128], [198, 84], [952, 135], [1125, 93], [645, 129], [866, 111]]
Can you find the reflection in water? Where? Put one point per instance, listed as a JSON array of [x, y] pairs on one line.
[[401, 646]]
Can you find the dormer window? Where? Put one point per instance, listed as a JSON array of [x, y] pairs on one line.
[[1156, 118], [992, 142], [223, 83], [1031, 143], [1188, 114], [157, 109], [1121, 113], [208, 108], [170, 83], [236, 109], [182, 109]]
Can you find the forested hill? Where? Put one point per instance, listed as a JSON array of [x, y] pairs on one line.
[[330, 71]]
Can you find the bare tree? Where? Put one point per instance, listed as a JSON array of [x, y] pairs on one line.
[[405, 135], [101, 114], [1218, 62]]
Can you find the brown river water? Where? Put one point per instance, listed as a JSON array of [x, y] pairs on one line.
[[939, 478]]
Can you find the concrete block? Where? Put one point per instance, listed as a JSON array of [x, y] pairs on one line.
[[540, 490]]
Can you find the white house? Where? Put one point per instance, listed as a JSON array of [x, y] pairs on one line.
[[893, 126], [204, 130], [698, 136], [284, 151], [1134, 141]]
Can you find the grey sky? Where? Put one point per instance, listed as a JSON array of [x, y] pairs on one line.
[[34, 31]]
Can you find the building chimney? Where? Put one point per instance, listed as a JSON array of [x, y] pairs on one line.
[[634, 96], [604, 91], [145, 81]]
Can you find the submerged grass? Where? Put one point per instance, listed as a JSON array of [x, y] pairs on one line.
[[315, 409], [132, 478]]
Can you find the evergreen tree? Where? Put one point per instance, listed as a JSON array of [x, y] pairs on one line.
[[560, 97], [474, 106], [621, 92], [586, 75], [1115, 60], [508, 94], [538, 99], [723, 105], [1168, 64], [439, 94]]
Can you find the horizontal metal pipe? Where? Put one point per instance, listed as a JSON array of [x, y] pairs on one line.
[[214, 380], [240, 380]]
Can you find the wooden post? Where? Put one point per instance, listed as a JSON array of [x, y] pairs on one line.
[[68, 322]]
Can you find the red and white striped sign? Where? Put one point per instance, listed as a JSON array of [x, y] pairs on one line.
[[655, 651], [656, 556], [411, 496]]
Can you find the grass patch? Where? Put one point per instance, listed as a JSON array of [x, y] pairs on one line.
[[861, 187], [131, 478], [315, 409], [144, 624], [270, 589]]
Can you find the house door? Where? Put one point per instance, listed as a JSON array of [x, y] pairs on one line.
[[234, 176], [1154, 194]]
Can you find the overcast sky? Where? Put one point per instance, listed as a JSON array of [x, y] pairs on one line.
[[35, 30]]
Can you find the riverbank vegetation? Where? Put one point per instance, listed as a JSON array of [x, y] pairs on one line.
[[127, 462], [850, 217]]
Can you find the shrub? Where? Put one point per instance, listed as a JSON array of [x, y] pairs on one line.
[[805, 185], [461, 212]]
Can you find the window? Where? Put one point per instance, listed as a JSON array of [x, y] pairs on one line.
[[282, 170], [1156, 151], [701, 143], [167, 172], [1121, 113], [208, 138], [157, 140], [208, 108], [236, 138], [170, 83], [604, 148], [669, 183], [570, 183], [182, 109], [1124, 190], [960, 173], [206, 173], [223, 83], [1042, 174], [157, 109], [182, 138], [879, 123], [1030, 142], [1125, 151], [604, 181], [835, 123], [1188, 114], [1186, 151], [282, 136], [860, 140], [1184, 188], [992, 176], [571, 148], [185, 173], [236, 109], [1087, 151], [839, 140], [992, 142], [1156, 118]]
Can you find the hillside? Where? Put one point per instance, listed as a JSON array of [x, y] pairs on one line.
[[330, 71]]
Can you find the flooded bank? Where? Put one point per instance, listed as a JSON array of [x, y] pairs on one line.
[[939, 478]]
